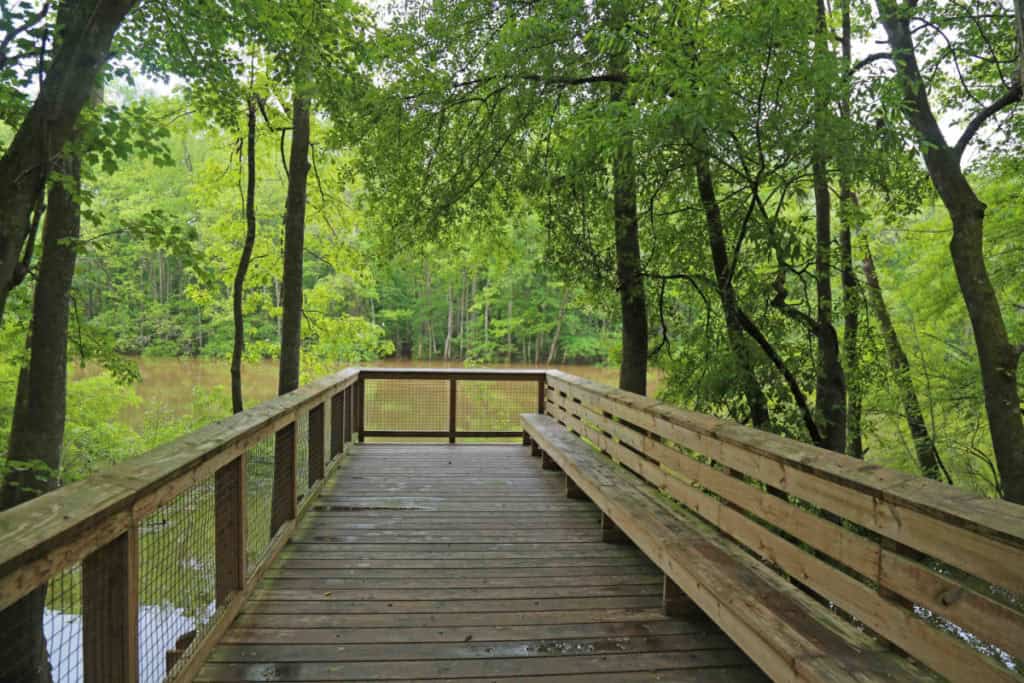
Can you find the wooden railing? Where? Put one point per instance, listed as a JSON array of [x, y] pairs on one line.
[[92, 527], [936, 571], [100, 531]]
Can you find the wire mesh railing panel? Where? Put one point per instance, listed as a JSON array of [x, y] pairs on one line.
[[43, 632], [259, 486], [302, 455], [493, 405], [177, 570], [406, 405]]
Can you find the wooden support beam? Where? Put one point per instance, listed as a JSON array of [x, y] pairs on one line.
[[283, 505], [336, 426], [229, 521], [572, 490], [610, 531], [547, 463], [110, 611], [534, 449], [452, 403], [676, 603], [361, 410], [346, 435], [319, 442], [541, 395]]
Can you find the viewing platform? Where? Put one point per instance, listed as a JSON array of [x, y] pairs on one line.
[[386, 524]]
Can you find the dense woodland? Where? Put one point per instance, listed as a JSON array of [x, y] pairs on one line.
[[808, 215]]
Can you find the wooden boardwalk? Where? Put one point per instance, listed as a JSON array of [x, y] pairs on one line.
[[436, 562]]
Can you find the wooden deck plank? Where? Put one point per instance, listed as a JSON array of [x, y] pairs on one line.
[[462, 562]]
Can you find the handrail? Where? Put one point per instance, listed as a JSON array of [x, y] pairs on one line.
[[885, 541]]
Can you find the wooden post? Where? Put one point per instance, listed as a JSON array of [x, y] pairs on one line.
[[547, 462], [229, 523], [346, 434], [451, 409], [335, 425], [572, 490], [282, 504], [110, 611], [318, 442], [610, 531], [540, 396], [361, 409], [675, 602]]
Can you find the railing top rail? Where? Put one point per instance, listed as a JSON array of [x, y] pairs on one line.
[[42, 535], [993, 519], [480, 374]]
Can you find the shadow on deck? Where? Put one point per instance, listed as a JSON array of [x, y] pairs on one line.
[[468, 562]]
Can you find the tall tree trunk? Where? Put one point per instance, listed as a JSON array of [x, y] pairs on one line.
[[830, 385], [237, 404], [451, 325], [997, 357], [924, 447], [558, 326], [83, 45], [757, 403], [628, 262], [294, 237], [37, 427], [848, 215]]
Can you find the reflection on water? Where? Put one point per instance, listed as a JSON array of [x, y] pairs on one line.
[[161, 624]]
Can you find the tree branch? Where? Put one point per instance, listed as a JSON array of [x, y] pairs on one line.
[[1010, 97]]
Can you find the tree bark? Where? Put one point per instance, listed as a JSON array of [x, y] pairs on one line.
[[82, 49], [757, 403], [238, 350], [997, 357], [508, 334], [628, 262], [924, 447], [294, 237], [37, 427]]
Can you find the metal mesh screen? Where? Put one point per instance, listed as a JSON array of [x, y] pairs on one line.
[[177, 570], [259, 482], [406, 405], [493, 406], [302, 455]]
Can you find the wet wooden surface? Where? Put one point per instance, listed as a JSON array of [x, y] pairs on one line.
[[437, 562]]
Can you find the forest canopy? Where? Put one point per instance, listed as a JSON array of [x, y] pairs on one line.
[[807, 217]]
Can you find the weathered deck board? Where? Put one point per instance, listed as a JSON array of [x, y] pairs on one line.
[[462, 562]]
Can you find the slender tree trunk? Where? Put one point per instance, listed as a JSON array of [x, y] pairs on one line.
[[749, 384], [508, 335], [558, 326], [294, 236], [451, 325], [924, 446], [628, 262], [997, 357], [83, 45], [830, 389], [848, 215], [238, 350], [37, 428]]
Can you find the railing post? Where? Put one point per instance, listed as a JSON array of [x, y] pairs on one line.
[[361, 409], [541, 397], [229, 521], [452, 402], [318, 442], [110, 611], [346, 431], [282, 505], [336, 417]]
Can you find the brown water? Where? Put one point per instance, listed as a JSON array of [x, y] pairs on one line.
[[171, 382]]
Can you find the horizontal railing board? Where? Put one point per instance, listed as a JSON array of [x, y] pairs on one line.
[[454, 373]]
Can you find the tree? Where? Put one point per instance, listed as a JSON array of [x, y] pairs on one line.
[[997, 356]]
